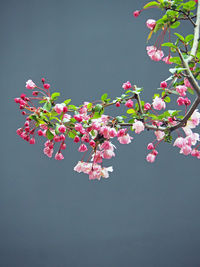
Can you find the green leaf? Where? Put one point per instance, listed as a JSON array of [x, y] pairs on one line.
[[150, 4], [103, 97], [67, 101], [167, 99], [180, 37], [98, 108], [176, 60], [55, 95], [71, 135], [168, 44], [159, 25], [190, 90], [89, 106], [175, 25], [130, 111], [96, 115], [156, 95], [119, 119], [189, 37], [47, 106], [49, 134], [72, 107]]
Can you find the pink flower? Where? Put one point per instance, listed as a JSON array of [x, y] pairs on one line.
[[112, 132], [186, 150], [138, 126], [181, 89], [151, 157], [126, 85], [62, 129], [117, 104], [48, 151], [105, 131], [158, 103], [129, 103], [187, 83], [166, 60], [59, 156], [147, 106], [82, 148], [154, 53], [46, 86], [151, 23], [187, 101], [163, 84], [59, 108], [159, 135], [194, 119], [92, 143], [150, 146], [32, 141], [136, 13], [180, 101], [179, 142], [30, 84], [125, 139], [76, 139], [108, 154]]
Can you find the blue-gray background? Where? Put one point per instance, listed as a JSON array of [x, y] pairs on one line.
[[143, 215]]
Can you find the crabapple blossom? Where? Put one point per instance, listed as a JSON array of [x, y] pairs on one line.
[[126, 85], [138, 126], [151, 23], [167, 60], [129, 103], [30, 84], [151, 157], [181, 89], [163, 84], [154, 53], [158, 103]]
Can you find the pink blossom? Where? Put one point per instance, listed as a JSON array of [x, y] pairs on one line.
[[62, 129], [194, 119], [163, 84], [158, 103], [138, 126], [181, 89], [147, 106], [46, 86], [112, 132], [97, 157], [30, 84], [136, 13], [108, 154], [48, 151], [150, 146], [154, 53], [187, 83], [151, 23], [117, 104], [126, 85], [179, 142], [180, 101], [63, 146], [82, 148], [92, 143], [32, 141], [59, 156], [59, 108], [129, 103], [166, 60], [187, 101], [76, 139], [186, 150], [151, 157], [105, 131], [159, 135], [125, 139], [195, 153]]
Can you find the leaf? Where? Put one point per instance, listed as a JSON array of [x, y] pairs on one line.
[[167, 99], [149, 36], [176, 60], [67, 101], [180, 36], [98, 108], [103, 97], [130, 111], [175, 25], [156, 95], [189, 37], [168, 44], [190, 90], [72, 107], [89, 106], [152, 3], [55, 95], [47, 106], [49, 134], [96, 115]]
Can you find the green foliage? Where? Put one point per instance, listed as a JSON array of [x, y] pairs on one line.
[[104, 97], [49, 134]]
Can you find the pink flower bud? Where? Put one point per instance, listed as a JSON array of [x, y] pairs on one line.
[[82, 148], [43, 80], [59, 156], [40, 132], [150, 146], [163, 84], [187, 101], [92, 143], [136, 13], [30, 84], [56, 138], [147, 106], [65, 109], [76, 139], [117, 104], [129, 103], [126, 85], [151, 23], [46, 86], [35, 93], [63, 146], [180, 101], [150, 158], [62, 129], [32, 141]]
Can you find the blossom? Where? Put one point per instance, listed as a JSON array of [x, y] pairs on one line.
[[59, 108], [126, 85], [136, 13], [166, 59], [179, 142], [129, 103], [158, 103], [186, 150], [138, 126], [159, 135], [125, 139], [59, 156], [194, 119], [147, 106], [30, 84], [181, 89], [187, 83], [46, 86], [150, 146], [62, 129], [151, 23], [82, 148], [150, 157], [154, 53], [163, 84], [112, 132], [117, 104]]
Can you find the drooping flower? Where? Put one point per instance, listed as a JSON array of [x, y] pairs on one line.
[[138, 126], [158, 103], [181, 89], [159, 135], [59, 156], [166, 60], [151, 23], [126, 85], [30, 84], [129, 103], [154, 53], [150, 157]]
